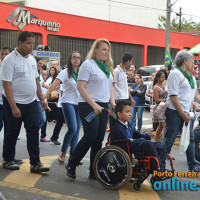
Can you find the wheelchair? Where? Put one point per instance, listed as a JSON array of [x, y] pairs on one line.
[[113, 167]]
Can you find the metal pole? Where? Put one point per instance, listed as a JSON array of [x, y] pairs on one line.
[[180, 14], [168, 24]]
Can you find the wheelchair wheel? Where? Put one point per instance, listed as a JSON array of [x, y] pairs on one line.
[[197, 143], [137, 186], [112, 167]]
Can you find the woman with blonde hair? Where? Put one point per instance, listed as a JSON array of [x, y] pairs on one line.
[[95, 85]]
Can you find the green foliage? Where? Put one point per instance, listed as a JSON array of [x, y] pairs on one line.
[[186, 25]]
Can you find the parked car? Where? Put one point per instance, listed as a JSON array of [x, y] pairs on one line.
[[146, 72]]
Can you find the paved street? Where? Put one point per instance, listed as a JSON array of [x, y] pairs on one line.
[[22, 185]]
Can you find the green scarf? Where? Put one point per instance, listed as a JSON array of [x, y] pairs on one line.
[[39, 79], [103, 67], [189, 78], [75, 75]]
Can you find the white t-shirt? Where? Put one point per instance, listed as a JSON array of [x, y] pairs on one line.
[[1, 91], [98, 84], [59, 100], [41, 82], [182, 89], [49, 80], [121, 84], [69, 86], [22, 72]]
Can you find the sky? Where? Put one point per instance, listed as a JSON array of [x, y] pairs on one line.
[[190, 7]]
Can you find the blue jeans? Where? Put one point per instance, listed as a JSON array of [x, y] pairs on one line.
[[72, 118], [29, 115], [93, 137], [139, 111], [42, 115], [174, 124]]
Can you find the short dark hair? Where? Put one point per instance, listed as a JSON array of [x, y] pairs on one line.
[[44, 67], [120, 105], [23, 35], [126, 57], [7, 48], [37, 58]]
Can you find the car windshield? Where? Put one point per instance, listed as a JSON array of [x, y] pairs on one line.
[[146, 71]]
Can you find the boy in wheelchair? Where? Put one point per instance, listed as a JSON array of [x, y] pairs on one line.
[[138, 143]]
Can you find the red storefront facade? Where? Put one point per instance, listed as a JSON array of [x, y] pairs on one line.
[[47, 23]]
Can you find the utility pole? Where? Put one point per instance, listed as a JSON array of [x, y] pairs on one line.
[[168, 24], [179, 14]]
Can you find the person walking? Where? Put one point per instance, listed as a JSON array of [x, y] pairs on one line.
[[95, 84], [138, 92], [69, 100], [159, 95], [20, 82], [121, 84], [181, 87]]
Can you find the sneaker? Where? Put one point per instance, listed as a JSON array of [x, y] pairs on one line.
[[196, 169], [45, 139], [71, 172], [39, 168], [18, 161], [10, 165], [55, 142]]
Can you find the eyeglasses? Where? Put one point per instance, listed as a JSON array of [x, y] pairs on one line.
[[74, 57]]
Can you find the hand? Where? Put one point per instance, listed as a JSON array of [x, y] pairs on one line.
[[44, 105], [48, 109], [133, 103], [97, 108], [138, 91], [16, 112], [185, 117], [198, 109], [113, 106]]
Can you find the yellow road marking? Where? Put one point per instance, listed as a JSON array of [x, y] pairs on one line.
[[26, 178], [147, 192], [38, 191]]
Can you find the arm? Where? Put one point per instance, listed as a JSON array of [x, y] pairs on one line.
[[9, 95], [81, 86], [52, 87], [142, 91], [197, 96], [112, 97]]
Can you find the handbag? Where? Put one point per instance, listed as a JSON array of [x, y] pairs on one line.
[[185, 137], [53, 96], [158, 111]]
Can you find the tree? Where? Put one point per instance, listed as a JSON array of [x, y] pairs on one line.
[[186, 25]]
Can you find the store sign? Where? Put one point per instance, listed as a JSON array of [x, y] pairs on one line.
[[22, 17]]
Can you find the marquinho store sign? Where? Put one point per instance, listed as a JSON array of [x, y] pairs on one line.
[[22, 17]]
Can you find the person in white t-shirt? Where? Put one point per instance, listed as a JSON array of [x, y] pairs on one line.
[[181, 87], [20, 82], [69, 100], [121, 84], [95, 84]]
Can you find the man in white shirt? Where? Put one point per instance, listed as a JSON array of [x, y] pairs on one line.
[[121, 84], [181, 87], [20, 82]]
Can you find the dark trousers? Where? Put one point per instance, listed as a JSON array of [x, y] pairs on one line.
[[149, 148], [3, 120], [93, 137], [43, 130], [29, 113], [59, 124]]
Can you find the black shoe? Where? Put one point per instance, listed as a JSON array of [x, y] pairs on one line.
[[18, 161], [71, 171], [10, 165], [39, 168], [91, 176], [55, 142]]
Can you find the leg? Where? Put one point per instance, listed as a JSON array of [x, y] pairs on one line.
[[76, 135], [97, 145], [30, 119], [172, 128], [133, 117], [59, 124], [158, 132], [139, 114], [42, 115], [2, 114], [14, 126]]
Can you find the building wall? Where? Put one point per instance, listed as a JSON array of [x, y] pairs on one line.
[[137, 12]]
